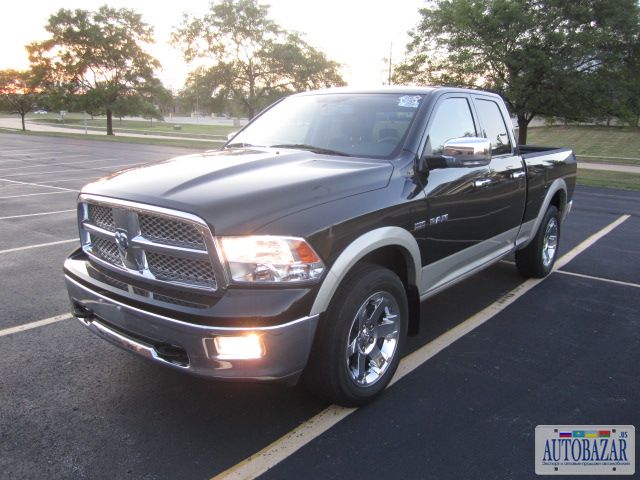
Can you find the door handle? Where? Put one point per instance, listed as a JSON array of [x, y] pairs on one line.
[[482, 183], [518, 174]]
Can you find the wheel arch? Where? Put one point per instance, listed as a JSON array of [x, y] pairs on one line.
[[391, 247], [556, 195]]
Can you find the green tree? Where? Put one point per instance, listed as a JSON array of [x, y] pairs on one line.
[[254, 59], [20, 91], [541, 55], [98, 55]]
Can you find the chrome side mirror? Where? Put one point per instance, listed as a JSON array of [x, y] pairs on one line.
[[461, 152]]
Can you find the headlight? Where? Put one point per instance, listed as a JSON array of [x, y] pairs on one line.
[[264, 258]]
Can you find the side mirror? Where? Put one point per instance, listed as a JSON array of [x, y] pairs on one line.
[[458, 153], [231, 135]]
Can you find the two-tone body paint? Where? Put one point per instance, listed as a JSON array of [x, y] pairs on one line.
[[334, 202]]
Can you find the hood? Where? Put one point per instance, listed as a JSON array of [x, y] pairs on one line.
[[237, 191]]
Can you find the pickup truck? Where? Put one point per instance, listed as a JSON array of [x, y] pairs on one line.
[[303, 248]]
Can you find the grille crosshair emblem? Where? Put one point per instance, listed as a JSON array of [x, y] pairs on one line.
[[122, 240]]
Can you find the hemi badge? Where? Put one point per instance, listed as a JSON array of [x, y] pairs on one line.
[[420, 225]]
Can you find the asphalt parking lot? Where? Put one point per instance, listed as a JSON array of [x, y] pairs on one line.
[[564, 351]]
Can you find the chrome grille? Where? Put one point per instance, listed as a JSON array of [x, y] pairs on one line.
[[173, 269], [156, 244], [161, 297], [170, 231], [107, 250], [102, 217]]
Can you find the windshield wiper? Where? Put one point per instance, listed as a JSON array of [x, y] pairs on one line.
[[311, 148]]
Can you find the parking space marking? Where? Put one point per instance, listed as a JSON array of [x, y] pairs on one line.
[[39, 323], [51, 155], [570, 255], [23, 152], [37, 214], [75, 179], [48, 174], [21, 149], [33, 184], [82, 170], [20, 154], [290, 443], [601, 279], [57, 164], [37, 194], [118, 166], [39, 245]]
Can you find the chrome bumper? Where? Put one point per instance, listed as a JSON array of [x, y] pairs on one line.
[[189, 347]]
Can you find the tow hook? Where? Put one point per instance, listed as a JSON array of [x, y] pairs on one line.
[[81, 312]]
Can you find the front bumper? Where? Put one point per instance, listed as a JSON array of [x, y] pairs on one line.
[[190, 347]]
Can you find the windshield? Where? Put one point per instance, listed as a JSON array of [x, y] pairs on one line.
[[368, 125]]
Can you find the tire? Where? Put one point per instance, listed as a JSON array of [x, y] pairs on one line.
[[537, 259], [360, 338]]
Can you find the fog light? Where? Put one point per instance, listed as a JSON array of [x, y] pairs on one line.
[[238, 348]]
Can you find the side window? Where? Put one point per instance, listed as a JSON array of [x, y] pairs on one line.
[[453, 119], [493, 126]]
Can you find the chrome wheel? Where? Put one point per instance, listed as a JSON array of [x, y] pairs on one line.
[[550, 242], [373, 339]]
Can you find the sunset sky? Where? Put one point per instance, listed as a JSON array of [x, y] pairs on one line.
[[356, 33]]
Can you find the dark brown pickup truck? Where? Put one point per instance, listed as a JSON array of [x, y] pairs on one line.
[[305, 245]]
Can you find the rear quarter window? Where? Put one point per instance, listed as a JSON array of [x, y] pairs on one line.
[[493, 126]]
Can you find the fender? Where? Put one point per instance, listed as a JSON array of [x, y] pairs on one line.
[[529, 229], [358, 249]]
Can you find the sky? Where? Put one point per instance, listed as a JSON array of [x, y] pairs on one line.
[[355, 33]]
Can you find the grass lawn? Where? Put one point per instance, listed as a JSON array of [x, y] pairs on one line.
[[122, 139], [607, 142], [599, 141], [599, 178], [135, 126]]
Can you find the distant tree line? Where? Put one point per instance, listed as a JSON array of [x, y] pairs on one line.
[[96, 61], [578, 60]]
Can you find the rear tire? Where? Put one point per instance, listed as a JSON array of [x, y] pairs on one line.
[[360, 338], [537, 259]]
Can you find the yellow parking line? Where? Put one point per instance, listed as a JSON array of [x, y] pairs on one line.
[[39, 245], [39, 323], [36, 214], [36, 194], [600, 279], [285, 446], [34, 184]]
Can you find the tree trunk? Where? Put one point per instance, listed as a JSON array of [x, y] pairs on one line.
[[109, 122], [523, 125], [24, 129], [252, 97]]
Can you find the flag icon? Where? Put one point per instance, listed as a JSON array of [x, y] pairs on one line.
[[578, 434], [565, 434], [604, 433], [591, 434]]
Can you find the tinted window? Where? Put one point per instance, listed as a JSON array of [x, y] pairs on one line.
[[453, 119], [493, 126], [370, 125]]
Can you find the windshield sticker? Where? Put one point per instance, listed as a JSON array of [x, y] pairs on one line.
[[409, 101]]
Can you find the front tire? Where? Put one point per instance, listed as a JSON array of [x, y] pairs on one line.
[[537, 259], [360, 338]]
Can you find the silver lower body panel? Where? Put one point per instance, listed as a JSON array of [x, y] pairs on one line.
[[189, 347]]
